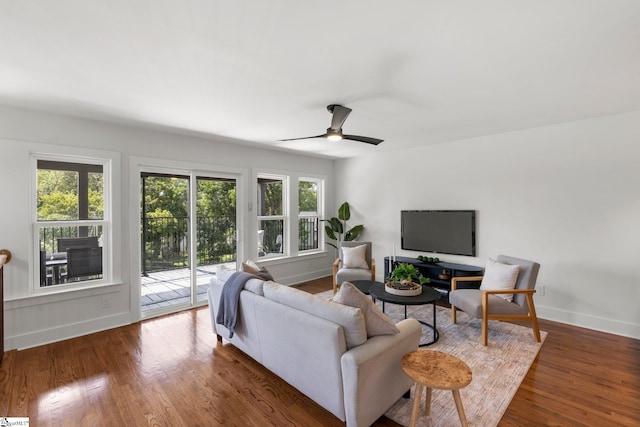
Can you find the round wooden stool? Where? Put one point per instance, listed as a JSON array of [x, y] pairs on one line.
[[435, 369]]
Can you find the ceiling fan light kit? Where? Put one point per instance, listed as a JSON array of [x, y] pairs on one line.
[[334, 133]]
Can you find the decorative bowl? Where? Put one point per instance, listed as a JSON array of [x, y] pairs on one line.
[[403, 289]]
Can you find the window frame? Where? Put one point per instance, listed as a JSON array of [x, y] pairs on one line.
[[284, 217], [109, 162], [320, 196]]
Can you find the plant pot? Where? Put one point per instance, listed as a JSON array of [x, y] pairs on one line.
[[403, 289]]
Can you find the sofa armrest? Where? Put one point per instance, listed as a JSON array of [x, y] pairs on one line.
[[372, 377]]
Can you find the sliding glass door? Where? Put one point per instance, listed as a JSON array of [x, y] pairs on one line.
[[215, 228], [188, 228]]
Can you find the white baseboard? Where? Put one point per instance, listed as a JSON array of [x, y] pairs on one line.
[[305, 277], [47, 336], [601, 324]]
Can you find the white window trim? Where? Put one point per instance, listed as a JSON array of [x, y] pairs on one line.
[[290, 202], [285, 217], [110, 162], [320, 183], [138, 165]]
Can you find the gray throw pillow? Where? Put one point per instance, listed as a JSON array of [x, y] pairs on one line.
[[252, 268], [377, 323]]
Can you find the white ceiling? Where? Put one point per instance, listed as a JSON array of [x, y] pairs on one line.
[[414, 72]]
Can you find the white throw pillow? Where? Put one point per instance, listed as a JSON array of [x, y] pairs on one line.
[[355, 257], [498, 276], [376, 321]]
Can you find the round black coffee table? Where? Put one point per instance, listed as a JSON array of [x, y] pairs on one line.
[[363, 285], [428, 296]]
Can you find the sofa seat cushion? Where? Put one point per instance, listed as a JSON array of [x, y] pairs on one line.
[[350, 318], [376, 321]]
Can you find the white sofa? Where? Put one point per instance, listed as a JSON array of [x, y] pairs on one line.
[[320, 348]]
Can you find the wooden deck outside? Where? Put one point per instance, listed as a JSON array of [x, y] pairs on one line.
[[171, 287]]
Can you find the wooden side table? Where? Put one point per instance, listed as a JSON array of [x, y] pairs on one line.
[[434, 369]]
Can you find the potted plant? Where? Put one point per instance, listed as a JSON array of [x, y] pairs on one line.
[[407, 273], [337, 227]]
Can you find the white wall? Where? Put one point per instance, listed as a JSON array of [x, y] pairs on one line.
[[32, 320], [566, 196]]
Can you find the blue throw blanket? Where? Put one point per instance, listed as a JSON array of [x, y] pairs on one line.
[[229, 299]]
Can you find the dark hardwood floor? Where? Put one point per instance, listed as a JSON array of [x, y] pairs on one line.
[[168, 371]]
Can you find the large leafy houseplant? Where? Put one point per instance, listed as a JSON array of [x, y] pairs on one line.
[[336, 228]]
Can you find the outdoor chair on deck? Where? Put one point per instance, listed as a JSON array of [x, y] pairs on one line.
[[84, 262], [77, 242]]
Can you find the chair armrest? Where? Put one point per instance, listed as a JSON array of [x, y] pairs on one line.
[[510, 291], [372, 377], [455, 280], [336, 265], [373, 269]]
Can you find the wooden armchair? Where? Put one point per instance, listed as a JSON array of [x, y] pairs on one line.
[[353, 269], [486, 305]]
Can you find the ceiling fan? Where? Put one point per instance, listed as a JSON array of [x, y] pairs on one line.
[[334, 133]]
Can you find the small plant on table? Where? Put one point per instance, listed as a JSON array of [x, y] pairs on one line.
[[407, 273]]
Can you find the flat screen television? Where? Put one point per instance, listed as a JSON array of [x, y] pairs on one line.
[[446, 232]]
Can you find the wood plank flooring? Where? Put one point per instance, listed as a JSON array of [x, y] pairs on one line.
[[168, 371]]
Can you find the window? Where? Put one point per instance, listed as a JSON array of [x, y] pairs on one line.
[[271, 215], [71, 221], [309, 207]]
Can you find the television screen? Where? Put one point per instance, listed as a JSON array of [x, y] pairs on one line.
[[446, 232]]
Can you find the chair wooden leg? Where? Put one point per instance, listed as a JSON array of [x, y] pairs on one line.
[[453, 314], [458, 400], [416, 405], [485, 333], [485, 317], [534, 317], [427, 402]]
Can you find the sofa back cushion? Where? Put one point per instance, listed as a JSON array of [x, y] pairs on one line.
[[223, 272], [350, 318], [255, 286]]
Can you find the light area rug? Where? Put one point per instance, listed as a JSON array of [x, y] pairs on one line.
[[497, 369]]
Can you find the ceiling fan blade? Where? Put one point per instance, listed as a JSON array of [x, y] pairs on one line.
[[374, 141], [340, 114], [324, 135]]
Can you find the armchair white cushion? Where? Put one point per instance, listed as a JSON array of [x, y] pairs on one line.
[[355, 257], [487, 304], [349, 265], [498, 277]]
